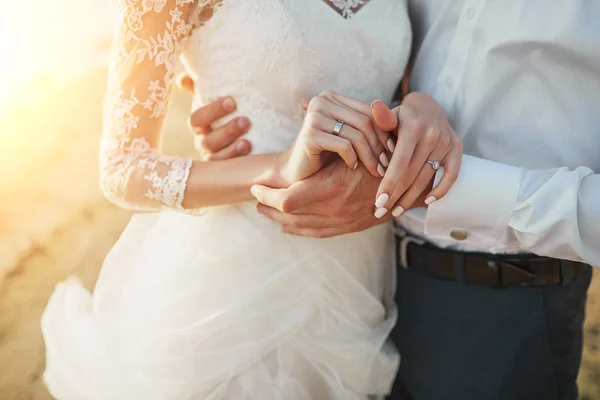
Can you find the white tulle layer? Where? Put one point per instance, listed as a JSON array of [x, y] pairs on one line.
[[225, 306]]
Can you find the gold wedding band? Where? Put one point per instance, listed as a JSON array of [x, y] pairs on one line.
[[337, 128]]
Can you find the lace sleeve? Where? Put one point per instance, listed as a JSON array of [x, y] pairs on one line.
[[149, 38]]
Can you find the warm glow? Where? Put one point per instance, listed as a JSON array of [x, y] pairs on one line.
[[52, 54], [41, 38]]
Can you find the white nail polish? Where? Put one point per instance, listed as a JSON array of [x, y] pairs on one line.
[[384, 159], [391, 146], [381, 200], [380, 212], [398, 211], [380, 170], [430, 200]]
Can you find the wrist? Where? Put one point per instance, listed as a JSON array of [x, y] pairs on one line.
[[275, 175], [424, 105], [415, 96]]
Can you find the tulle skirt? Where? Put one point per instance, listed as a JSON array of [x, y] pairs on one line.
[[225, 306]]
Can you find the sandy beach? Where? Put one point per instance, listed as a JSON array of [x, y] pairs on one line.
[[54, 223]]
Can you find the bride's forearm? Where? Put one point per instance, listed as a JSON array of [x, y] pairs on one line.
[[216, 183]]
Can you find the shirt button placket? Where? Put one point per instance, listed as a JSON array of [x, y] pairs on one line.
[[471, 12], [458, 53]]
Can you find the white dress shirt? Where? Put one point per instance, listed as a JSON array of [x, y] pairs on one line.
[[520, 82]]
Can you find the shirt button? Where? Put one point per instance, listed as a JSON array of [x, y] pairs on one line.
[[471, 12], [458, 234], [449, 81]]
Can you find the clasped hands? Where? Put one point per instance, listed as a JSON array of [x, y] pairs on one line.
[[382, 164]]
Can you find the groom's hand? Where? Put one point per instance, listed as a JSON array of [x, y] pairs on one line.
[[223, 142], [334, 201]]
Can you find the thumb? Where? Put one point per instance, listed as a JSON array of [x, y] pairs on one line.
[[383, 116], [300, 194], [185, 83], [275, 198]]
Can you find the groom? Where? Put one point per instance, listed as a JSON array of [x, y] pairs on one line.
[[520, 84]]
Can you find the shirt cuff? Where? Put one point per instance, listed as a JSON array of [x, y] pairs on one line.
[[478, 207]]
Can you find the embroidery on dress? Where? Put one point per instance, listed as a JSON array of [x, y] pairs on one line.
[[130, 159], [346, 8]]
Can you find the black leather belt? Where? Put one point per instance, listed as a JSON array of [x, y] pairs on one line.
[[494, 271]]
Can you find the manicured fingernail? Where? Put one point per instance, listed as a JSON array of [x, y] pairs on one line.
[[430, 200], [380, 212], [384, 159], [380, 170], [355, 165], [398, 211], [242, 147], [228, 104], [375, 102], [242, 123], [255, 191], [391, 146], [381, 200]]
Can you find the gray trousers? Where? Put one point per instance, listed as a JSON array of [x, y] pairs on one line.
[[461, 342]]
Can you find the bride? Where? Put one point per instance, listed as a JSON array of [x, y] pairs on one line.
[[204, 298]]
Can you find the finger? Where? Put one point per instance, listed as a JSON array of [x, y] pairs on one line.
[[418, 159], [365, 151], [239, 148], [321, 141], [420, 184], [185, 82], [384, 118], [396, 174], [219, 138], [296, 220], [355, 104], [305, 194], [365, 108], [202, 119], [301, 194], [452, 164], [362, 133], [358, 141], [274, 198], [274, 214], [318, 233]]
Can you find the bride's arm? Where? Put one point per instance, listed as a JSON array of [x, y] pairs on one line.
[[133, 173]]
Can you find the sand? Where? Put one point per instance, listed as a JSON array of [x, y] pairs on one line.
[[54, 222]]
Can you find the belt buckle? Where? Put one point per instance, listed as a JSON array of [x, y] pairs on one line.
[[405, 240]]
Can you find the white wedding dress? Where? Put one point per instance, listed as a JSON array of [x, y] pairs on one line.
[[218, 303]]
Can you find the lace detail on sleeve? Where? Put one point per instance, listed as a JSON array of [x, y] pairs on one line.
[[149, 39]]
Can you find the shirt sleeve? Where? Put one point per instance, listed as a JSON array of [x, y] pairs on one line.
[[149, 38], [554, 213]]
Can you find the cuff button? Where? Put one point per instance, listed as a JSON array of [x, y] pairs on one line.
[[458, 234]]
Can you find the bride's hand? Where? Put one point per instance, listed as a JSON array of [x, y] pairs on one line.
[[424, 133], [358, 140], [426, 142]]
